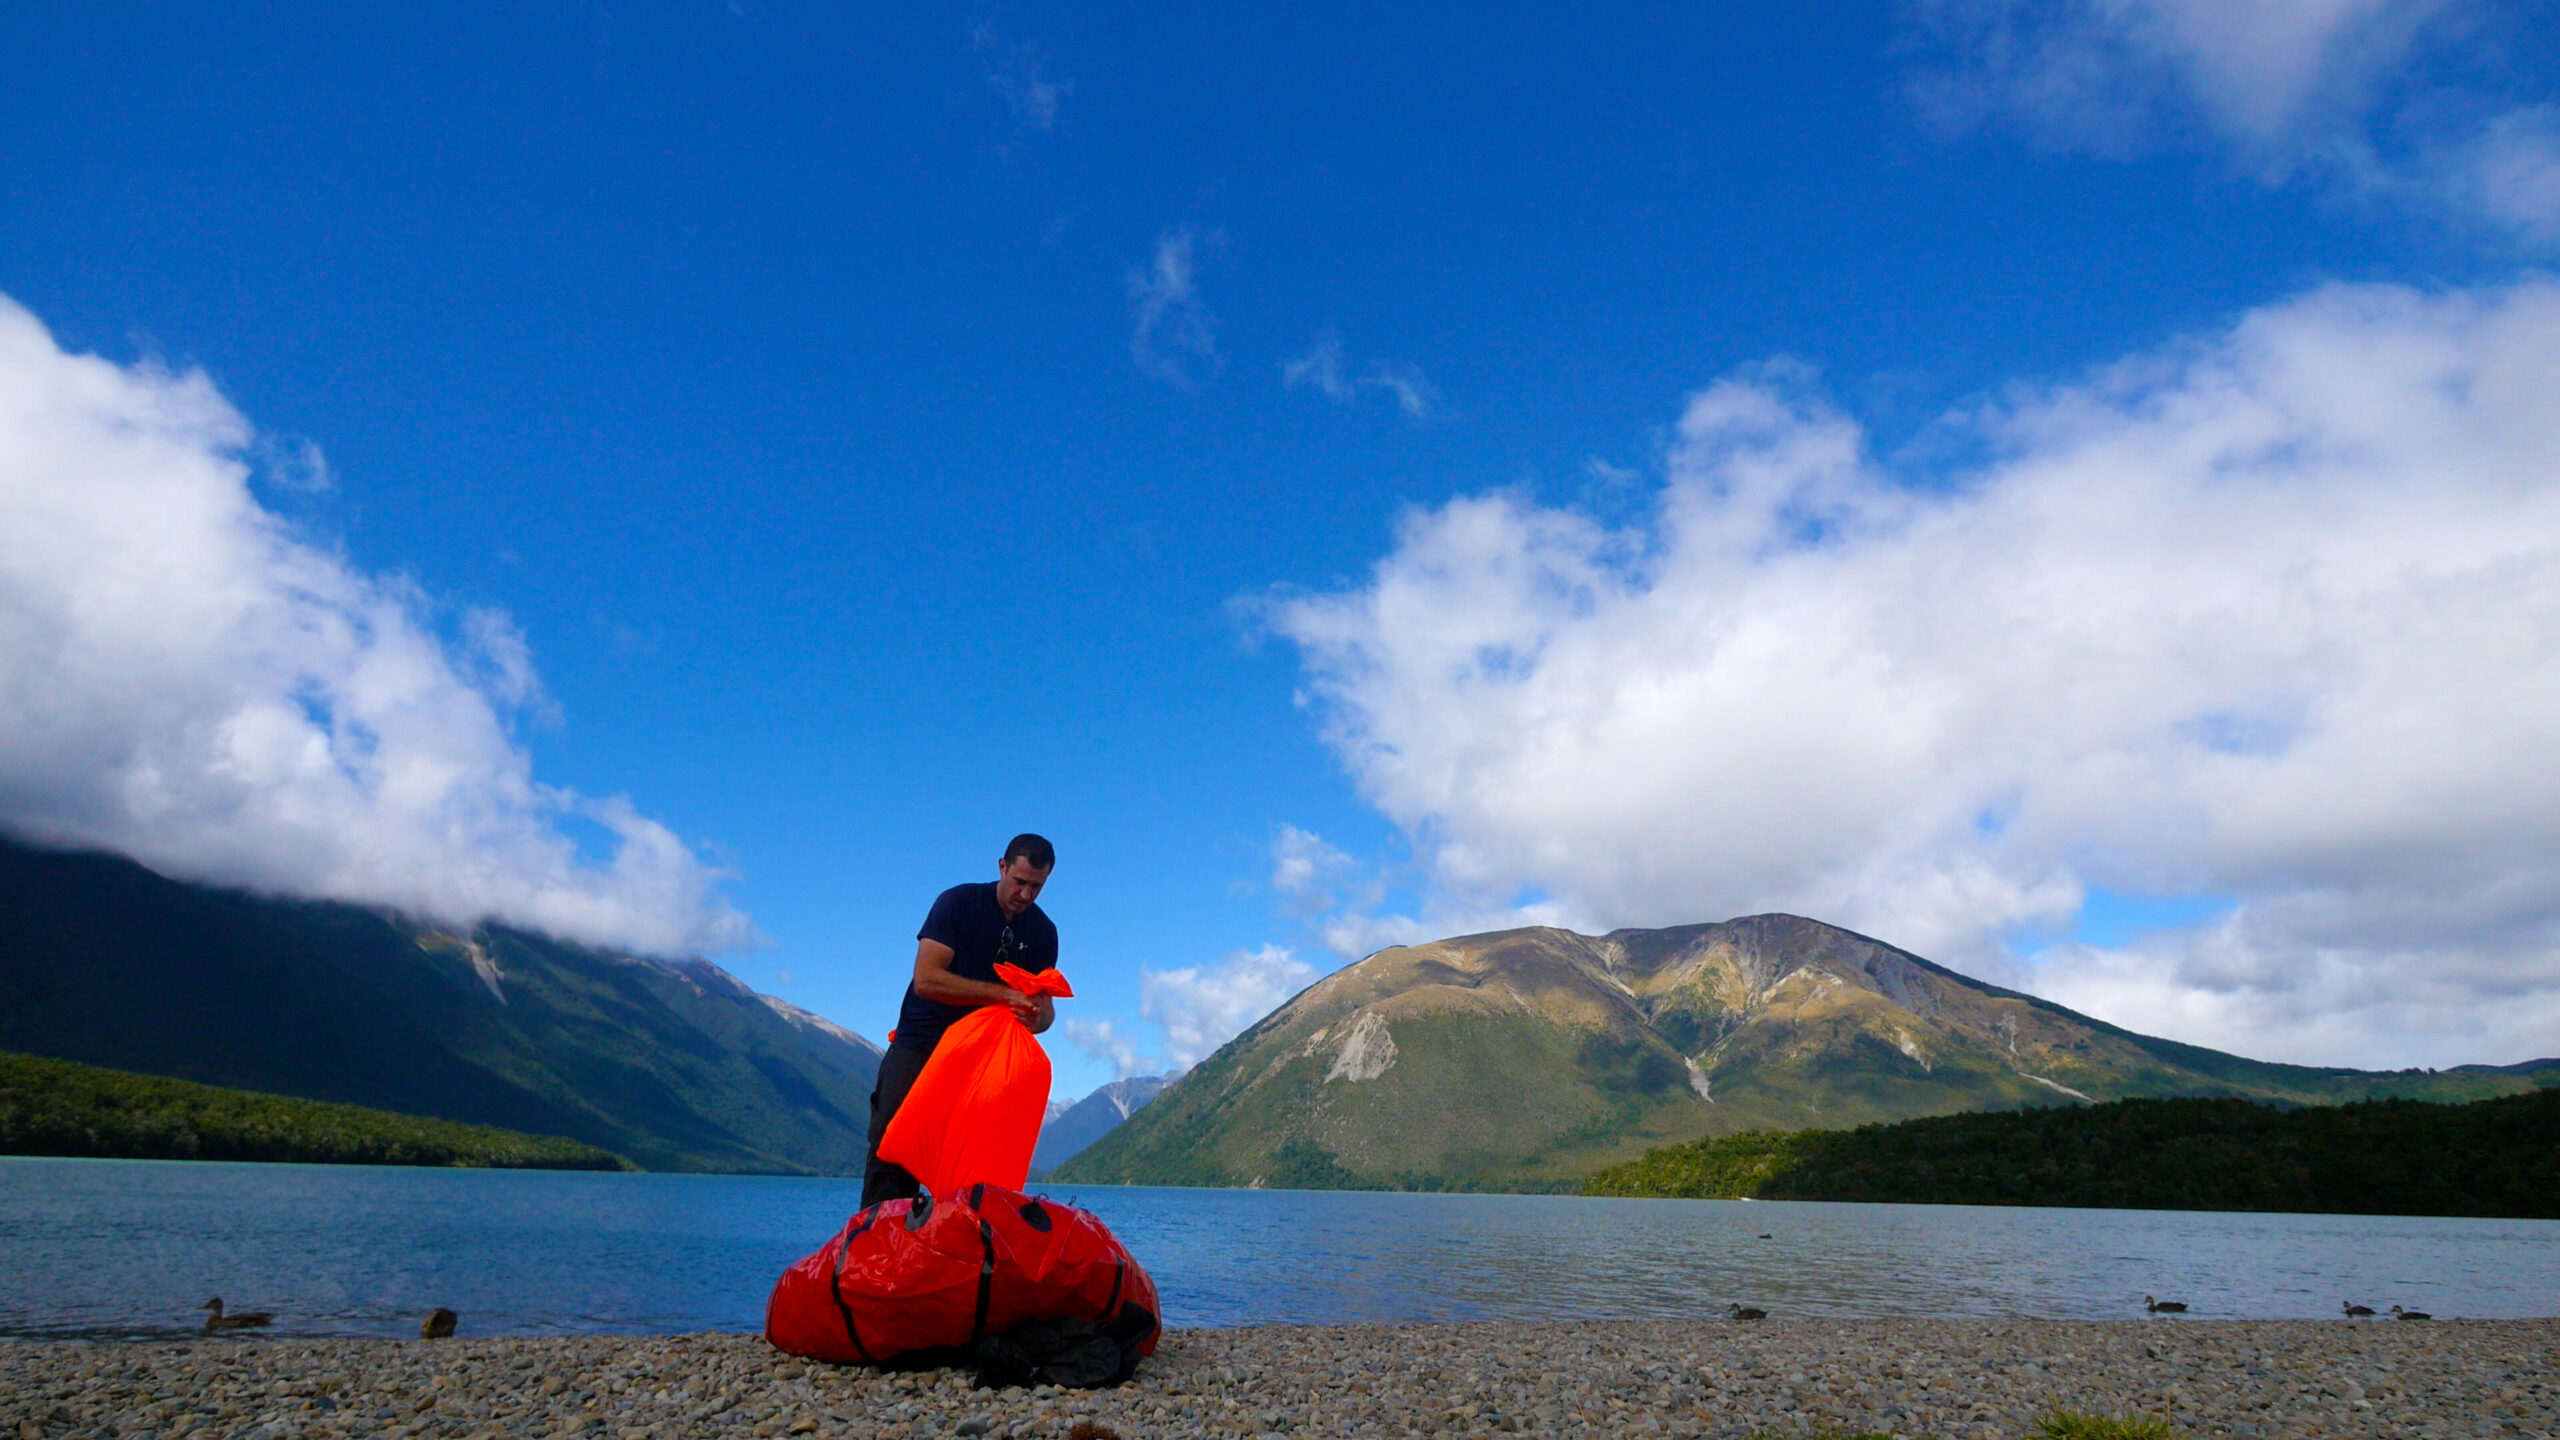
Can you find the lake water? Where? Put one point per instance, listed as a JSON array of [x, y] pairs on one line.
[[128, 1247]]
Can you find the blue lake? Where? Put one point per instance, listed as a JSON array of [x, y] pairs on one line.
[[128, 1247]]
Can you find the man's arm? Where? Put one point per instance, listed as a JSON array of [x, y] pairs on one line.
[[934, 981]]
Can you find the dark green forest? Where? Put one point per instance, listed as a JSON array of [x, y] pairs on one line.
[[55, 1107], [2496, 1157]]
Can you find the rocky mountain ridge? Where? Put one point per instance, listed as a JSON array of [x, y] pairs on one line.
[[1525, 1059]]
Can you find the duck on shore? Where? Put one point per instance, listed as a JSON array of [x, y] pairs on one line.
[[1746, 1312], [217, 1321], [2164, 1307], [2354, 1310], [2399, 1314]]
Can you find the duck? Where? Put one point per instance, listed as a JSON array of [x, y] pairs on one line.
[[1747, 1312], [2164, 1307], [438, 1325], [2353, 1310], [2399, 1314], [219, 1321]]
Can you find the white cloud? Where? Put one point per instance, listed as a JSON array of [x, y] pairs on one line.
[[2266, 73], [1321, 369], [1202, 1007], [1304, 867], [1414, 393], [1015, 70], [2273, 616], [1174, 337], [2382, 99], [185, 680], [1111, 1045], [2510, 172]]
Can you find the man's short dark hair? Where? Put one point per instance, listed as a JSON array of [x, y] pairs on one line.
[[1031, 848]]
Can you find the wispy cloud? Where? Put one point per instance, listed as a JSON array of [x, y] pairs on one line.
[[2338, 91], [1322, 370], [2272, 616], [1016, 69], [187, 681], [1319, 369], [1107, 1042], [1174, 336]]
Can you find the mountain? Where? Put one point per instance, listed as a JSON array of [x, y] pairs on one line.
[[1526, 1059], [1071, 1129], [676, 1064]]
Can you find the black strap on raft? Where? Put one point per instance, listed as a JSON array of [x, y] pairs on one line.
[[986, 1281], [835, 1291], [1119, 1267]]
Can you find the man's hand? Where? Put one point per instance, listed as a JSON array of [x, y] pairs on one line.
[[934, 981]]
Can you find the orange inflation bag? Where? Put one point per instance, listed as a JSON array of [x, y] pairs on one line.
[[974, 1114], [930, 1274]]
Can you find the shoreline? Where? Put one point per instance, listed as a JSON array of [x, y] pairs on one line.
[[1712, 1378]]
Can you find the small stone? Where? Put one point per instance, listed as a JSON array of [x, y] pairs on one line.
[[974, 1425]]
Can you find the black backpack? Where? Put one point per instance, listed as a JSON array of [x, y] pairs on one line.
[[1078, 1354]]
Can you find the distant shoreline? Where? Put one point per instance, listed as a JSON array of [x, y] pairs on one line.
[[1705, 1377]]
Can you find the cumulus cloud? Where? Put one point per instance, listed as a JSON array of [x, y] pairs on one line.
[[1304, 866], [1201, 1007], [2349, 91], [2272, 617], [1321, 370], [1174, 337], [185, 680]]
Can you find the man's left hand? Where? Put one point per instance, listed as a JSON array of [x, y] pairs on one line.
[[1043, 1014]]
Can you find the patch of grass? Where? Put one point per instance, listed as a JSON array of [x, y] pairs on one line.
[[2070, 1425]]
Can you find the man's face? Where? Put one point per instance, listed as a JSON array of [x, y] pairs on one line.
[[1017, 885]]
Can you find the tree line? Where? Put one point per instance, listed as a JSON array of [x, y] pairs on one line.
[[57, 1107], [2498, 1157]]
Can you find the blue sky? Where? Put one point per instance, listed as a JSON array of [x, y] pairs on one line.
[[854, 435]]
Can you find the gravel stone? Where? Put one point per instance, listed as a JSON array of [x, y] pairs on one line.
[[1944, 1378]]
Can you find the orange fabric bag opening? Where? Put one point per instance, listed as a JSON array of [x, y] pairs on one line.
[[974, 1114]]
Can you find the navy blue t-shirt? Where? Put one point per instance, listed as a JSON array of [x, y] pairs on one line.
[[968, 919]]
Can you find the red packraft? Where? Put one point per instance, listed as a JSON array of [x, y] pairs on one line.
[[927, 1273]]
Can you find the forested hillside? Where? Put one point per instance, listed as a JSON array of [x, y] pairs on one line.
[[2383, 1157], [56, 1107]]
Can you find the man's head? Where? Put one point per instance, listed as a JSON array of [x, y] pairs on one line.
[[1027, 861]]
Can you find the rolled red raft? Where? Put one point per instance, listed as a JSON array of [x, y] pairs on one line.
[[923, 1274]]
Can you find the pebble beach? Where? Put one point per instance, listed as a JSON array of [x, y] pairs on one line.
[[1778, 1377]]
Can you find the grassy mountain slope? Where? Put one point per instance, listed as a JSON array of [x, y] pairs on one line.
[[1526, 1059], [677, 1065], [58, 1107], [2496, 1157]]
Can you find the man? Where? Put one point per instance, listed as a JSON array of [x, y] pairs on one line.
[[969, 929]]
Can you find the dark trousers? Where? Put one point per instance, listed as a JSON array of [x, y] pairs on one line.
[[899, 1066]]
